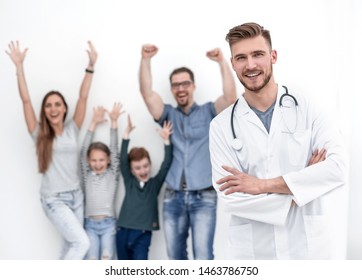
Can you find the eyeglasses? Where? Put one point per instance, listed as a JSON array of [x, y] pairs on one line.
[[184, 84]]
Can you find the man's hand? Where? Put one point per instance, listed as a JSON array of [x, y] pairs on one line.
[[239, 182], [215, 55], [317, 156], [149, 51]]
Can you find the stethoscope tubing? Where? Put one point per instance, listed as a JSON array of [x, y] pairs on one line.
[[286, 94]]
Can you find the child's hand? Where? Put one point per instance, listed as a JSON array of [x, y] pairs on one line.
[[166, 131], [116, 111], [129, 128], [98, 115]]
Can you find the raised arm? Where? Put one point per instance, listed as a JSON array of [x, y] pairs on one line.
[[228, 83], [81, 107], [125, 166], [128, 129], [98, 117], [165, 134], [153, 100], [18, 56], [114, 115]]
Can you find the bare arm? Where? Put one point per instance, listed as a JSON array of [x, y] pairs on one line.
[[153, 100], [228, 83], [18, 56], [114, 115], [81, 107]]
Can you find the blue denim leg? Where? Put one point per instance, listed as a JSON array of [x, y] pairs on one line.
[[141, 241], [101, 233], [133, 244], [65, 211], [175, 224], [93, 252], [183, 210], [202, 208], [121, 243]]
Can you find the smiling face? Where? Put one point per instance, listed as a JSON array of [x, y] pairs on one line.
[[183, 88], [98, 161], [141, 169], [54, 109], [252, 61]]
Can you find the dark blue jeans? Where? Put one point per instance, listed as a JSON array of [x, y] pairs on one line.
[[133, 244]]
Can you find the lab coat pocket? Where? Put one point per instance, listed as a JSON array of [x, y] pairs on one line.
[[318, 242], [240, 242], [299, 144]]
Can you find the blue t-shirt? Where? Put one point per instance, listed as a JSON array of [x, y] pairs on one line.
[[190, 140]]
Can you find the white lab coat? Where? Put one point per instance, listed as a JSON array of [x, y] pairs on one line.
[[268, 226]]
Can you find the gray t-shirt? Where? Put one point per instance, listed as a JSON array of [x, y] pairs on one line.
[[63, 172], [265, 117]]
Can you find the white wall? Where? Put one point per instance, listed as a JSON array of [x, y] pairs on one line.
[[353, 45], [312, 37]]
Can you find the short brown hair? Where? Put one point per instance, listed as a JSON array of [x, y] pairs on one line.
[[246, 31], [138, 153], [182, 70]]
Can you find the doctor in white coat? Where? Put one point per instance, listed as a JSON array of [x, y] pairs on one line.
[[282, 161]]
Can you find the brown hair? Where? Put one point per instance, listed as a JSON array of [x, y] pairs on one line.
[[246, 31], [137, 153], [44, 144], [98, 146], [182, 70]]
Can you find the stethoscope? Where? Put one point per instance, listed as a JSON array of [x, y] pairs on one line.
[[237, 144]]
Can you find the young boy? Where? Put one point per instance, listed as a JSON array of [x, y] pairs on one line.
[[139, 211]]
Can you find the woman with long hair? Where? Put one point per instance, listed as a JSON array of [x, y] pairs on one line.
[[57, 151]]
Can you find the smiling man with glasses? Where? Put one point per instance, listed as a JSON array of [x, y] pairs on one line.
[[190, 200]]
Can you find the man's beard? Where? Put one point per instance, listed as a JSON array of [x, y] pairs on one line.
[[257, 88]]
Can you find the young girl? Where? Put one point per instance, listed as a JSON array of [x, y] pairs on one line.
[[57, 151], [139, 212], [100, 172]]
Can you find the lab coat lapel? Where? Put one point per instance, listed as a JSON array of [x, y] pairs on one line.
[[245, 112], [277, 115]]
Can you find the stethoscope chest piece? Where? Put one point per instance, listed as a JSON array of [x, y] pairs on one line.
[[236, 144]]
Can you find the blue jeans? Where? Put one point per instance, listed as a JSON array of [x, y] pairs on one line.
[[133, 244], [189, 209], [65, 211], [102, 236]]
